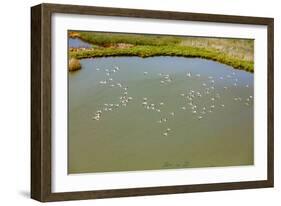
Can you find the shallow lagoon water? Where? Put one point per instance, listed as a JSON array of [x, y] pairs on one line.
[[164, 132], [78, 43]]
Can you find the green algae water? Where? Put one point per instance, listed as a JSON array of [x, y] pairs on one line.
[[131, 114]]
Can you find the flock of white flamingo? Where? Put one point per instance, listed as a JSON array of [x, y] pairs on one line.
[[191, 96]]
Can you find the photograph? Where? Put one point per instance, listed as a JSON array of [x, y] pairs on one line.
[[139, 102]]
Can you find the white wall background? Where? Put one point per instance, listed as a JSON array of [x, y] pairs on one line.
[[15, 102]]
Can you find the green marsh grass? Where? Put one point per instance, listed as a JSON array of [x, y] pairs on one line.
[[238, 53]]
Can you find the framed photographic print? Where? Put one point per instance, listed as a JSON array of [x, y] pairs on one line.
[[132, 102]]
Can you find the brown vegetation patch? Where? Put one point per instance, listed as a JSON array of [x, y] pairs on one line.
[[74, 64], [73, 34]]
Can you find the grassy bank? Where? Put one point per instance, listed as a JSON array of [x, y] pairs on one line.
[[233, 52], [110, 39]]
